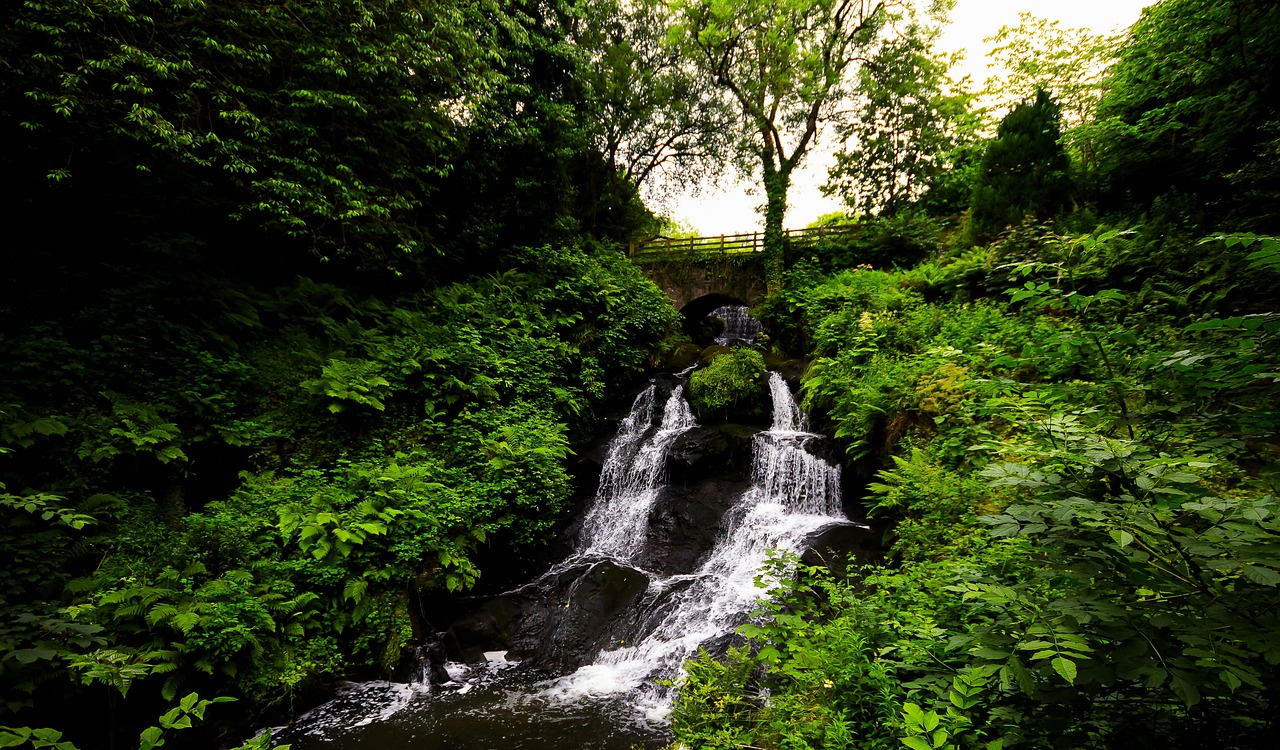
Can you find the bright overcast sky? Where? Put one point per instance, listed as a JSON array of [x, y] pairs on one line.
[[733, 209]]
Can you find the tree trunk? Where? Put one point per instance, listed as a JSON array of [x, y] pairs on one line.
[[776, 184]]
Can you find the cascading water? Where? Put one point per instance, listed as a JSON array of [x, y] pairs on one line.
[[739, 325], [793, 494], [631, 478]]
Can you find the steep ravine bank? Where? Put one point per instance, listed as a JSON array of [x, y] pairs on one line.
[[631, 601]]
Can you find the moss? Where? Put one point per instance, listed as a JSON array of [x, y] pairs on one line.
[[731, 386]]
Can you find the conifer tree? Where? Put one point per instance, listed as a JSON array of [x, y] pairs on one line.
[[1024, 170]]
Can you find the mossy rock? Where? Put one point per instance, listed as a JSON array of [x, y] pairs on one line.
[[710, 353], [792, 368], [682, 357], [732, 387]]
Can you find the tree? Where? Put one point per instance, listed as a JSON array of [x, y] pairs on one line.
[[786, 65], [651, 115], [1024, 170], [907, 129], [1071, 64], [328, 122], [1192, 114], [1040, 55]]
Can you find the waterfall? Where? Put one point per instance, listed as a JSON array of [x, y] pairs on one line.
[[787, 416], [617, 522], [615, 700], [739, 325], [793, 494]]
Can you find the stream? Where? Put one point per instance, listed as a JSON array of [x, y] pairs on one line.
[[616, 694]]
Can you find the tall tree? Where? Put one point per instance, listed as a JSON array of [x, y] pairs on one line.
[[1024, 170], [908, 124], [1192, 114], [1071, 64], [785, 65], [651, 114]]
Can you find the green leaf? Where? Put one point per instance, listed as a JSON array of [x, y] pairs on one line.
[[151, 737], [1185, 689], [14, 737], [1262, 575], [913, 713], [1066, 668], [1122, 537], [915, 743], [1232, 681], [29, 655]]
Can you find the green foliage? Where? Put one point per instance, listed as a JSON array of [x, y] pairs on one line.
[[182, 716], [782, 66], [910, 133], [1080, 494], [331, 116], [654, 118], [733, 380], [350, 383], [1188, 122], [1071, 65], [255, 515], [1024, 170]]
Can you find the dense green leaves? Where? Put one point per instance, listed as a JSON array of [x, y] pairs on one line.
[[1024, 170], [909, 130], [1081, 489], [319, 116], [785, 66], [1189, 119]]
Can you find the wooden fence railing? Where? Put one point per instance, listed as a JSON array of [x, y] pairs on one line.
[[737, 243]]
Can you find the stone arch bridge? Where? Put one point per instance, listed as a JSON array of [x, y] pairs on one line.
[[700, 274]]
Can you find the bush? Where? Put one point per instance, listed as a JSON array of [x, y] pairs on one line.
[[731, 386]]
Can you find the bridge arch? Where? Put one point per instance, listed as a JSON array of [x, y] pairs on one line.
[[696, 310], [699, 308], [740, 279]]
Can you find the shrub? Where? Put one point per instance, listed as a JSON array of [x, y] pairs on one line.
[[730, 385]]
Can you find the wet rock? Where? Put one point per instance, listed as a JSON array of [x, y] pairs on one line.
[[685, 522], [790, 368], [705, 331], [684, 356], [562, 621], [488, 626], [842, 547], [722, 451], [711, 352]]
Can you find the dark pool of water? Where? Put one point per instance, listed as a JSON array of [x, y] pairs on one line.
[[504, 714]]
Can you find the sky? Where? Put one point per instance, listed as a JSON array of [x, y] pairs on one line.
[[732, 208]]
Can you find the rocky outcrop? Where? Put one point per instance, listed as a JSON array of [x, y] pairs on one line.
[[564, 619], [557, 623]]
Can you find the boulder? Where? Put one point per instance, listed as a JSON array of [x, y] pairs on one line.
[[685, 522], [722, 451], [557, 623], [842, 547], [682, 357]]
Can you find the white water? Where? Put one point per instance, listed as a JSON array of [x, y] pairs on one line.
[[617, 523], [793, 494], [739, 325]]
